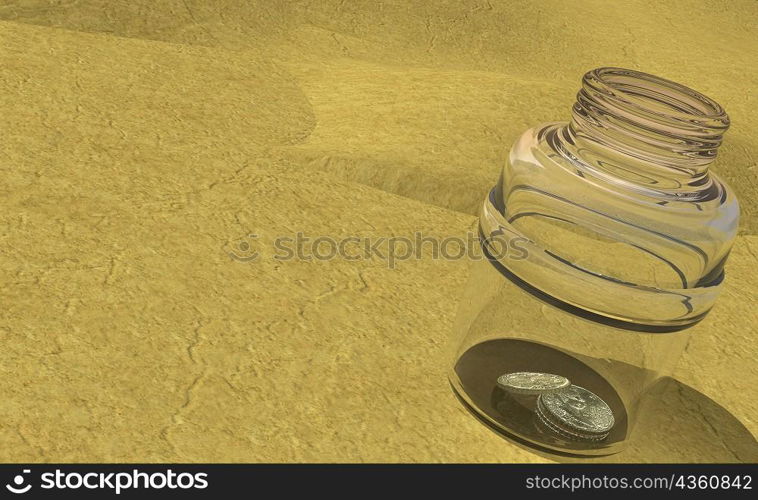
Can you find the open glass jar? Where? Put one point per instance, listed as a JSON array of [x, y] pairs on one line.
[[605, 239]]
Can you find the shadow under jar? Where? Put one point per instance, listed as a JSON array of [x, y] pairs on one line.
[[604, 241]]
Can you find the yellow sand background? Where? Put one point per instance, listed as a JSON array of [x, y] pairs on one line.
[[140, 140]]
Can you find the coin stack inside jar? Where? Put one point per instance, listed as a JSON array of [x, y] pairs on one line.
[[568, 410]]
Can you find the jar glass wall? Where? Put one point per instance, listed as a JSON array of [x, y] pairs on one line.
[[606, 239], [506, 329]]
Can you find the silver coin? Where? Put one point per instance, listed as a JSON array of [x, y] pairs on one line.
[[564, 432], [576, 410], [532, 382]]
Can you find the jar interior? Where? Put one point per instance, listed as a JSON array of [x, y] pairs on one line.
[[478, 369]]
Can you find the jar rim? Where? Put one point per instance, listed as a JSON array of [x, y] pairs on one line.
[[653, 95]]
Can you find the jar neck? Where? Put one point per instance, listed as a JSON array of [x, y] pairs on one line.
[[638, 129]]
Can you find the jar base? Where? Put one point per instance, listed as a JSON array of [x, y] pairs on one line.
[[515, 416]]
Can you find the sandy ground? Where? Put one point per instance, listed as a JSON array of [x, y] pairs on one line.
[[143, 141]]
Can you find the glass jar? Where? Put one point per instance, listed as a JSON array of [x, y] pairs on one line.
[[605, 240]]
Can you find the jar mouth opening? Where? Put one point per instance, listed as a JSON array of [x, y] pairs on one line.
[[655, 96]]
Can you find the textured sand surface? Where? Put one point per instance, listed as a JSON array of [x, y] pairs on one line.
[[142, 141]]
